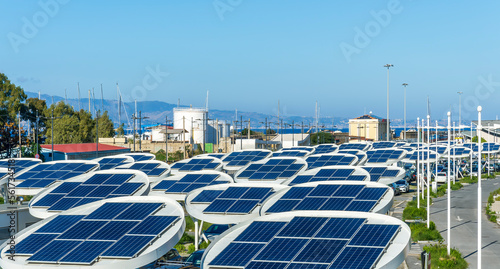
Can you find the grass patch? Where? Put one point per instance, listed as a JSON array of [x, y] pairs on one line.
[[469, 180], [441, 190], [420, 232], [440, 258], [413, 213]]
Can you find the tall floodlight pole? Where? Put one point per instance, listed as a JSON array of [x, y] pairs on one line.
[[388, 66], [428, 170], [423, 163], [449, 188], [418, 163], [479, 170], [404, 85], [460, 111]]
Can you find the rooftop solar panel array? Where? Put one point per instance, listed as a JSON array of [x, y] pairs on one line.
[[316, 161], [329, 197], [457, 151], [400, 144], [272, 169], [358, 146], [233, 200], [422, 155], [196, 164], [151, 169], [383, 145], [242, 158], [213, 155], [114, 230], [310, 149], [188, 182], [110, 163], [325, 148], [439, 149], [45, 174], [358, 153], [377, 172], [329, 174], [97, 187], [141, 157], [291, 153], [383, 155], [308, 242], [18, 164], [491, 147]]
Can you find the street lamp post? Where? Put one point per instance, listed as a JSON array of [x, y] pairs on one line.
[[459, 111], [388, 66], [449, 183], [418, 163], [479, 205], [404, 85], [428, 170]]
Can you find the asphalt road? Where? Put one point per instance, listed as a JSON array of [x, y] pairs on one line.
[[464, 223]]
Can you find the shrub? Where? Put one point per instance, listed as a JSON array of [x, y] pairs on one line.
[[419, 232], [186, 238], [413, 213], [191, 248], [440, 258], [204, 244], [180, 247]]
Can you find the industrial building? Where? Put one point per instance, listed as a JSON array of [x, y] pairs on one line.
[[368, 128]]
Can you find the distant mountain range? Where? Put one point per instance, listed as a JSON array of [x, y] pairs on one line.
[[157, 110]]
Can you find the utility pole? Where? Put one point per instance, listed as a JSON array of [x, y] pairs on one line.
[[449, 188], [166, 137], [97, 135], [241, 136], [418, 163], [133, 135], [428, 170], [217, 134], [479, 194], [248, 135], [184, 136], [404, 85], [134, 118], [293, 133], [281, 131], [19, 131], [388, 66]]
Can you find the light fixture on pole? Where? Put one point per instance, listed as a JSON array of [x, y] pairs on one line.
[[460, 111], [404, 85], [388, 66], [479, 170], [428, 170], [418, 163], [449, 188]]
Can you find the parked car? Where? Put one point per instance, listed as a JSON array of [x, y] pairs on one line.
[[394, 188], [403, 185], [215, 230], [441, 177], [194, 260]]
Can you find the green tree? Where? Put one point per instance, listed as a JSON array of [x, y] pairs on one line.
[[270, 131], [105, 126], [474, 139], [321, 138], [11, 98], [245, 132], [120, 131]]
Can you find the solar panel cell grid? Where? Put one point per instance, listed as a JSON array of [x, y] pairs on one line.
[[54, 251]]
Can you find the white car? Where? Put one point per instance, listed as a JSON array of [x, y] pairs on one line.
[[441, 177]]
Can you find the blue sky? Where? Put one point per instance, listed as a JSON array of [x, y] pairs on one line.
[[250, 54]]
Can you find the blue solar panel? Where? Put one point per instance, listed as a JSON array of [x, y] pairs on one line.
[[295, 228], [348, 190], [383, 144], [383, 155], [236, 254], [207, 196], [87, 252], [128, 246], [219, 206], [243, 206], [128, 188], [108, 211], [150, 169], [281, 249], [328, 160], [336, 204], [297, 193], [234, 192], [271, 170], [242, 158], [118, 179], [141, 157], [54, 251], [81, 191], [60, 224], [320, 251], [164, 185], [283, 206], [374, 235], [321, 149], [290, 153], [113, 230], [260, 231], [256, 193], [371, 193], [188, 183], [102, 191], [33, 243], [328, 174], [196, 164], [139, 211], [307, 242], [66, 187], [357, 146], [311, 203], [341, 228], [361, 206], [310, 149], [356, 257], [64, 204], [82, 229], [324, 190], [48, 200], [154, 225]]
